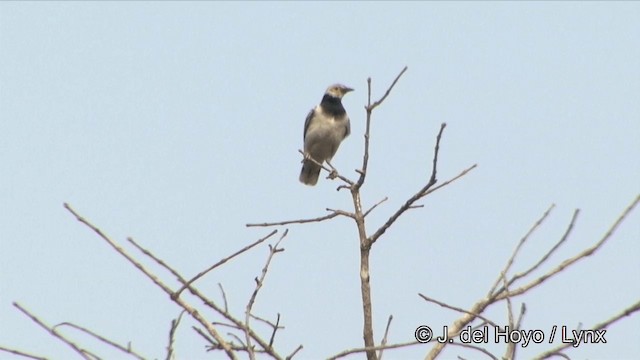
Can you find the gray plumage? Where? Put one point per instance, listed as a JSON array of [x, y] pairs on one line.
[[324, 129]]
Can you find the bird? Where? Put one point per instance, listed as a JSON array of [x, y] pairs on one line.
[[325, 127]]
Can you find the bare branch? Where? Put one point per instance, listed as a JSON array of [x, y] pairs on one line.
[[126, 350], [204, 335], [474, 347], [463, 173], [232, 326], [224, 260], [568, 262], [153, 257], [172, 332], [510, 351], [375, 206], [434, 170], [224, 298], [369, 109], [192, 311], [482, 304], [237, 324], [342, 212], [290, 356], [548, 254], [375, 105], [384, 338], [373, 348], [417, 196], [603, 325], [83, 353], [523, 310], [22, 353], [259, 281], [519, 246], [455, 308], [275, 329], [458, 325], [301, 221]]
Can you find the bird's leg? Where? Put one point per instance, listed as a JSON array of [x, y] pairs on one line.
[[334, 173]]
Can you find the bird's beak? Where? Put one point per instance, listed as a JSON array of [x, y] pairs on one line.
[[347, 89]]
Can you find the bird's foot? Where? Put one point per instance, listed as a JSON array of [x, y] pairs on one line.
[[334, 173]]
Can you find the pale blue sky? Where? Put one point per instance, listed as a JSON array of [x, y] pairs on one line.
[[178, 123]]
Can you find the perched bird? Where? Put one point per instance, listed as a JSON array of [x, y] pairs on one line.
[[324, 129]]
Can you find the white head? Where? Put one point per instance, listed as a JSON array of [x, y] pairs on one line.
[[338, 90]]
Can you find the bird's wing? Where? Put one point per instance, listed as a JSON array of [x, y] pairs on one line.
[[347, 131], [307, 122]]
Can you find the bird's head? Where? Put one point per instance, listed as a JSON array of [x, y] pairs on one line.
[[338, 90]]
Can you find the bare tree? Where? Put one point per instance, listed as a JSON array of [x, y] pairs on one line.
[[235, 334]]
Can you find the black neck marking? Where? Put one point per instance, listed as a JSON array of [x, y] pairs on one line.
[[332, 105]]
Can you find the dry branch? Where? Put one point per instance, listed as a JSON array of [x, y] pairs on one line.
[[223, 261], [22, 353], [504, 293], [187, 307], [172, 333], [384, 338], [300, 221], [82, 352], [603, 325], [273, 250], [126, 350]]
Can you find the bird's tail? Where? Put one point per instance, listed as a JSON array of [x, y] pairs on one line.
[[309, 173]]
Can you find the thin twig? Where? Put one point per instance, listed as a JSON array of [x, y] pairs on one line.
[[224, 298], [126, 350], [290, 356], [519, 246], [510, 351], [237, 323], [242, 346], [474, 347], [434, 170], [259, 282], [375, 206], [482, 304], [172, 333], [377, 103], [455, 308], [417, 196], [458, 325], [443, 184], [22, 353], [570, 261], [603, 325], [367, 133], [83, 353], [384, 338], [342, 212], [273, 326], [523, 310], [301, 221], [373, 348], [192, 311], [275, 329], [223, 261], [204, 335], [548, 254]]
